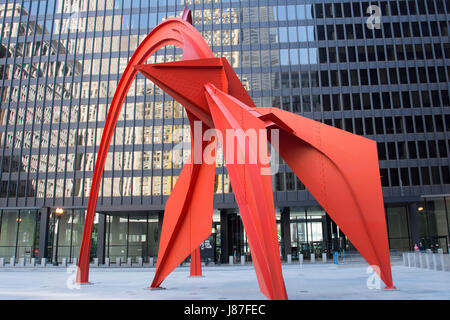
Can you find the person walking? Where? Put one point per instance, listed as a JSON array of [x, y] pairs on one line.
[[335, 248], [343, 245], [421, 246]]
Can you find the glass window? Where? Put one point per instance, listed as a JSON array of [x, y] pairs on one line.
[[318, 8], [283, 34], [292, 31], [291, 12], [8, 234], [310, 31], [116, 241], [295, 82], [395, 181], [284, 57], [304, 56], [281, 13], [397, 221], [412, 7], [384, 177], [415, 177], [436, 214], [301, 11], [340, 32], [290, 181], [279, 181], [425, 176]]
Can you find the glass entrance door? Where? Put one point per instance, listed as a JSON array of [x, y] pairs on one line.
[[18, 233], [8, 233], [131, 236], [26, 236], [306, 232]]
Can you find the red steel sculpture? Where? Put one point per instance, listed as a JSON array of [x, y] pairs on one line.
[[340, 169]]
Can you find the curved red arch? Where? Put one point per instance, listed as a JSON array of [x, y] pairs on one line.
[[173, 31]]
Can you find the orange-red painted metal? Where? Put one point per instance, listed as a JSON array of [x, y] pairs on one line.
[[253, 191], [196, 266], [340, 169], [176, 32], [188, 213]]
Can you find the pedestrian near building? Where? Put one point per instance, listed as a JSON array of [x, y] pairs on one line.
[[421, 246], [343, 245], [335, 247]]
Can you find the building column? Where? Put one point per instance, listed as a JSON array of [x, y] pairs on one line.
[[224, 236], [333, 231], [413, 223], [43, 232], [286, 232], [326, 232], [101, 233], [160, 223]]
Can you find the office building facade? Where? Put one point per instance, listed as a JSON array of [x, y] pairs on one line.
[[61, 60]]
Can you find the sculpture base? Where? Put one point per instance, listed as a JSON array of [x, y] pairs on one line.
[[156, 288], [392, 288]]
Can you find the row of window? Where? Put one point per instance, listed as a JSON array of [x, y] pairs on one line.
[[244, 36], [420, 149], [304, 56], [157, 185], [289, 12], [43, 7], [295, 103], [226, 37], [354, 9], [65, 188], [301, 56], [167, 134], [40, 7], [384, 53], [415, 176], [358, 77], [386, 31], [393, 177], [252, 82], [117, 161], [391, 125], [388, 8], [357, 101], [94, 113], [167, 159], [111, 187]]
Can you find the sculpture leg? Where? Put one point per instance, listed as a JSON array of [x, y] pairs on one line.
[[196, 264], [188, 214], [341, 171], [253, 191]]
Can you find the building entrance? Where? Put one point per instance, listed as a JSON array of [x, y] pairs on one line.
[[132, 236], [306, 236], [18, 234]]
